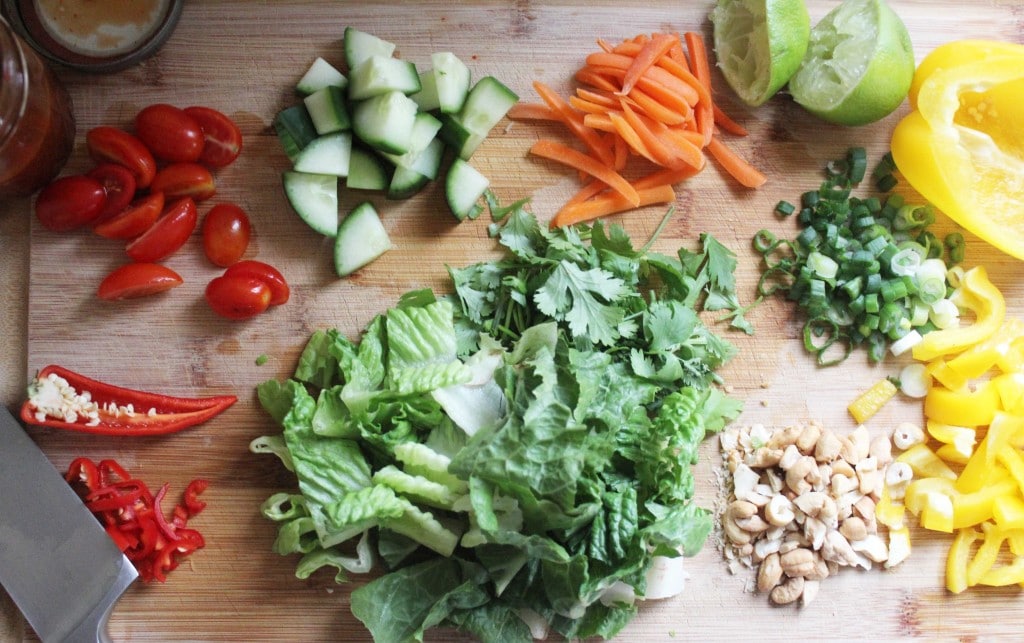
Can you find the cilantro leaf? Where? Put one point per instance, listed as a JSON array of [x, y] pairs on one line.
[[584, 299]]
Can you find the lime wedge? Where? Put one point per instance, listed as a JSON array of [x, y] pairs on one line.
[[759, 44], [859, 65]]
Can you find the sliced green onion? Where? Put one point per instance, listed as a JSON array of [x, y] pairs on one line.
[[764, 241], [784, 208], [915, 381], [822, 265], [886, 183], [955, 247], [893, 290], [857, 164], [944, 314], [905, 262]]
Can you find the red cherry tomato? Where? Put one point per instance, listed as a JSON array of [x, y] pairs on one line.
[[119, 185], [70, 202], [170, 133], [223, 139], [169, 233], [133, 220], [109, 144], [137, 280], [279, 291], [238, 297], [226, 233], [184, 179]]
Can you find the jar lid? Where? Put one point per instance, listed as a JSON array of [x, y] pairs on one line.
[[94, 36]]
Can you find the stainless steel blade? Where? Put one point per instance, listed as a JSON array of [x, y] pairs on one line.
[[56, 561]]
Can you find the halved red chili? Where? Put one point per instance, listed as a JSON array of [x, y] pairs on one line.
[[118, 410]]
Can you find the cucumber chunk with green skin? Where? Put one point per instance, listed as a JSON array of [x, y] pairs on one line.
[[423, 132], [327, 110], [426, 98], [319, 75], [463, 188], [378, 75], [385, 122], [458, 137], [314, 197], [451, 78], [407, 181], [486, 104], [329, 154], [367, 171], [294, 129], [360, 45], [361, 239]]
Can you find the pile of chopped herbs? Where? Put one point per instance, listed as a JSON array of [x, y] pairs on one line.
[[516, 453], [865, 272]]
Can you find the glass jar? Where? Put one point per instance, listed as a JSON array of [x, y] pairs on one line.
[[37, 124]]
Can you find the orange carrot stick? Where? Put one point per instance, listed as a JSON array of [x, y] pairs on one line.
[[600, 122], [621, 151], [590, 77], [664, 95], [612, 203], [605, 45], [738, 168], [601, 98], [701, 68], [597, 169], [588, 191], [657, 111], [683, 148], [628, 134], [666, 176], [588, 107], [532, 112], [649, 54], [574, 121], [726, 123], [657, 74], [663, 154]]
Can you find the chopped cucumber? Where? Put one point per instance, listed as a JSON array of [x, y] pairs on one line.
[[314, 197], [379, 74], [360, 45], [328, 154], [486, 104], [327, 110], [463, 188], [385, 122], [294, 129], [407, 181], [319, 75], [423, 132], [361, 239], [426, 97], [366, 171], [458, 137], [451, 77]]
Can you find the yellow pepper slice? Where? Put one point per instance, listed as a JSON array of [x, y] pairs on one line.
[[1010, 387], [1014, 463], [1003, 575], [962, 407], [888, 512], [989, 308], [987, 553], [958, 558], [925, 463], [941, 372], [978, 359], [871, 400], [918, 491], [1008, 512], [977, 507]]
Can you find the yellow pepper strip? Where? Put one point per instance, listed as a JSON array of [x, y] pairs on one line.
[[925, 463], [941, 372], [987, 554], [975, 508], [962, 438], [916, 496], [1009, 458], [962, 407], [958, 558], [1005, 429], [1010, 387], [1008, 512], [1015, 538], [889, 513], [1003, 575], [899, 546], [989, 309], [1012, 361], [976, 473], [871, 400], [937, 514], [978, 359]]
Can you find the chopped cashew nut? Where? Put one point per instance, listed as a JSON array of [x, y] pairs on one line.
[[906, 435]]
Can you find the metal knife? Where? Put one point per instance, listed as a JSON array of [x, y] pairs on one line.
[[56, 561]]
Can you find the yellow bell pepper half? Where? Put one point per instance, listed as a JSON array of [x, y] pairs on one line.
[[953, 54], [962, 148]]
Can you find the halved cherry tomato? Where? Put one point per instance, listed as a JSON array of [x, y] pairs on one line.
[[170, 133], [137, 280], [169, 233], [279, 291], [223, 139], [238, 297], [109, 144], [133, 220], [70, 202], [226, 232], [119, 185], [184, 179]]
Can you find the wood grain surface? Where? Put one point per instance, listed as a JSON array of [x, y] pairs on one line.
[[243, 58]]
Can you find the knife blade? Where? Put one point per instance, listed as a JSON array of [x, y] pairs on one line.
[[57, 562]]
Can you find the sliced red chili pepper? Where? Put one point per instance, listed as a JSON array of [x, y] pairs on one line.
[[122, 538], [83, 475], [115, 497], [191, 496], [158, 514], [110, 471], [124, 411]]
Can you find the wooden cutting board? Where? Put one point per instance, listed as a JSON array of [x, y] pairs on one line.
[[244, 58]]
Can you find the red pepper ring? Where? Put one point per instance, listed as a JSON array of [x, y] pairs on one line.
[[115, 497], [158, 514], [169, 414], [191, 496], [83, 475], [108, 469]]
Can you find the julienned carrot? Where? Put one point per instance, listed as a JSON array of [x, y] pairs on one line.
[[701, 68], [574, 122], [652, 51], [600, 122], [663, 94], [664, 177], [594, 79], [588, 107], [588, 191], [628, 134], [532, 112], [657, 111], [611, 203], [739, 169], [599, 97], [664, 154], [657, 74], [597, 169], [726, 123]]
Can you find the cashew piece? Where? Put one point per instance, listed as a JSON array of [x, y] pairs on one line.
[[828, 447], [906, 435], [808, 439], [853, 528], [779, 511], [785, 438], [881, 450], [769, 574], [798, 476], [787, 592], [798, 562]]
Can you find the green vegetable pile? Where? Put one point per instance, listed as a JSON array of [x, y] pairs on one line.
[[518, 453]]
